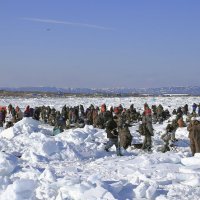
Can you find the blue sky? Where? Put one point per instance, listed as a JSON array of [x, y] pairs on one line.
[[100, 43]]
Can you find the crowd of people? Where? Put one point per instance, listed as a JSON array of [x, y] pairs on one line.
[[116, 122]]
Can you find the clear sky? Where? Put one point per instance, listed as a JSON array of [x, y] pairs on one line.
[[100, 43]]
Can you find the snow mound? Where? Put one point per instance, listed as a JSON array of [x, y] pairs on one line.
[[82, 143], [7, 163], [25, 126], [79, 135]]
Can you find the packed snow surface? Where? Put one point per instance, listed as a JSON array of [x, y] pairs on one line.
[[73, 164]]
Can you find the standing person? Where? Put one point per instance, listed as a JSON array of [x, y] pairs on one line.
[[10, 108], [82, 112], [174, 112], [64, 112], [36, 113], [199, 110], [19, 114], [168, 138], [124, 133], [4, 114], [194, 135], [194, 107], [52, 117], [89, 115], [27, 112], [95, 117], [185, 109], [174, 125], [13, 112], [112, 135], [179, 111], [44, 114], [159, 112], [1, 118], [148, 128]]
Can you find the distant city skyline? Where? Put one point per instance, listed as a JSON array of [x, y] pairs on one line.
[[100, 44]]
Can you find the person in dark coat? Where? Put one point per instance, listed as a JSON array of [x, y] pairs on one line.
[[168, 138], [125, 137], [112, 135], [82, 112], [1, 118], [174, 112], [99, 122], [185, 109], [89, 115], [13, 112], [36, 114], [10, 108], [60, 123], [194, 107], [9, 124]]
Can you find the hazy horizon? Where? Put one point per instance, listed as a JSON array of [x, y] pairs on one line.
[[98, 88]]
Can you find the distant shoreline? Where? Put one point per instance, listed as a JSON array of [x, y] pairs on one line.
[[36, 94]]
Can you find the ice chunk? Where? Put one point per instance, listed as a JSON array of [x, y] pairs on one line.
[[21, 189], [191, 161], [48, 175], [151, 190], [194, 182], [140, 190], [7, 163], [49, 147]]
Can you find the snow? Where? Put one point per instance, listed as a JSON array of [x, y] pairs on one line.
[[7, 163], [21, 189], [26, 126], [74, 165]]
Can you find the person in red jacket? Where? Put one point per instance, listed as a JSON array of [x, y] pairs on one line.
[[147, 110], [27, 112]]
